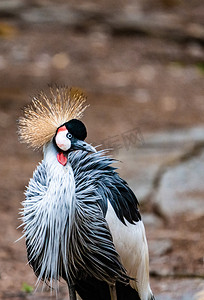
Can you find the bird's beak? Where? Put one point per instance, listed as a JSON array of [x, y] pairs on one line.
[[81, 145]]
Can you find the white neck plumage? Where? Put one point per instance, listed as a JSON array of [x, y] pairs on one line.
[[50, 216]]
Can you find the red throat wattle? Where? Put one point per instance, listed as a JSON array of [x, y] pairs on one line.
[[62, 159]]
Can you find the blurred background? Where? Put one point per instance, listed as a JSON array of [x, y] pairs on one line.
[[141, 64]]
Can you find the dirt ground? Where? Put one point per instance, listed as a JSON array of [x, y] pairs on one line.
[[130, 80]]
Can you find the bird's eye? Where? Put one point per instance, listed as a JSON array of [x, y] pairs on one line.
[[69, 135]]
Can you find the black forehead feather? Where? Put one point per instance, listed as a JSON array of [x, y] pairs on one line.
[[77, 129]]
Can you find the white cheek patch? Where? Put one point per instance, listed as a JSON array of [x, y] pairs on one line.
[[62, 141]]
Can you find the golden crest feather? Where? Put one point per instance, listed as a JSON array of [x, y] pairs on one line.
[[46, 113]]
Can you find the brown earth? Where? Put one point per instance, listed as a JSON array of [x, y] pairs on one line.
[[130, 80]]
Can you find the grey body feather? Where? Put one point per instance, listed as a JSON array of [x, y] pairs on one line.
[[64, 218]]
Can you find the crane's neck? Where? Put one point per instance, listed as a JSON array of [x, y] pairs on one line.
[[52, 162], [49, 211], [58, 208], [60, 179]]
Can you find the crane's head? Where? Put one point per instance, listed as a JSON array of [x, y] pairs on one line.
[[71, 135], [55, 118]]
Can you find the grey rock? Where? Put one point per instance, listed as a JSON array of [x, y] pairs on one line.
[[61, 15], [151, 220], [181, 188], [142, 165], [175, 138], [179, 289], [160, 247], [144, 159], [11, 5]]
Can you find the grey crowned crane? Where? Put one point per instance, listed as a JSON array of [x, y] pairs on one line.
[[81, 220]]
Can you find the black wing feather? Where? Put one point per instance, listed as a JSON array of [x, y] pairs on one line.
[[97, 171]]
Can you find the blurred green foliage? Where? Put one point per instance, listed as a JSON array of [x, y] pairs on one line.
[[27, 288], [200, 67]]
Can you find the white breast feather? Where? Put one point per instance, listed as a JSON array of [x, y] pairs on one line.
[[131, 244], [48, 213]]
